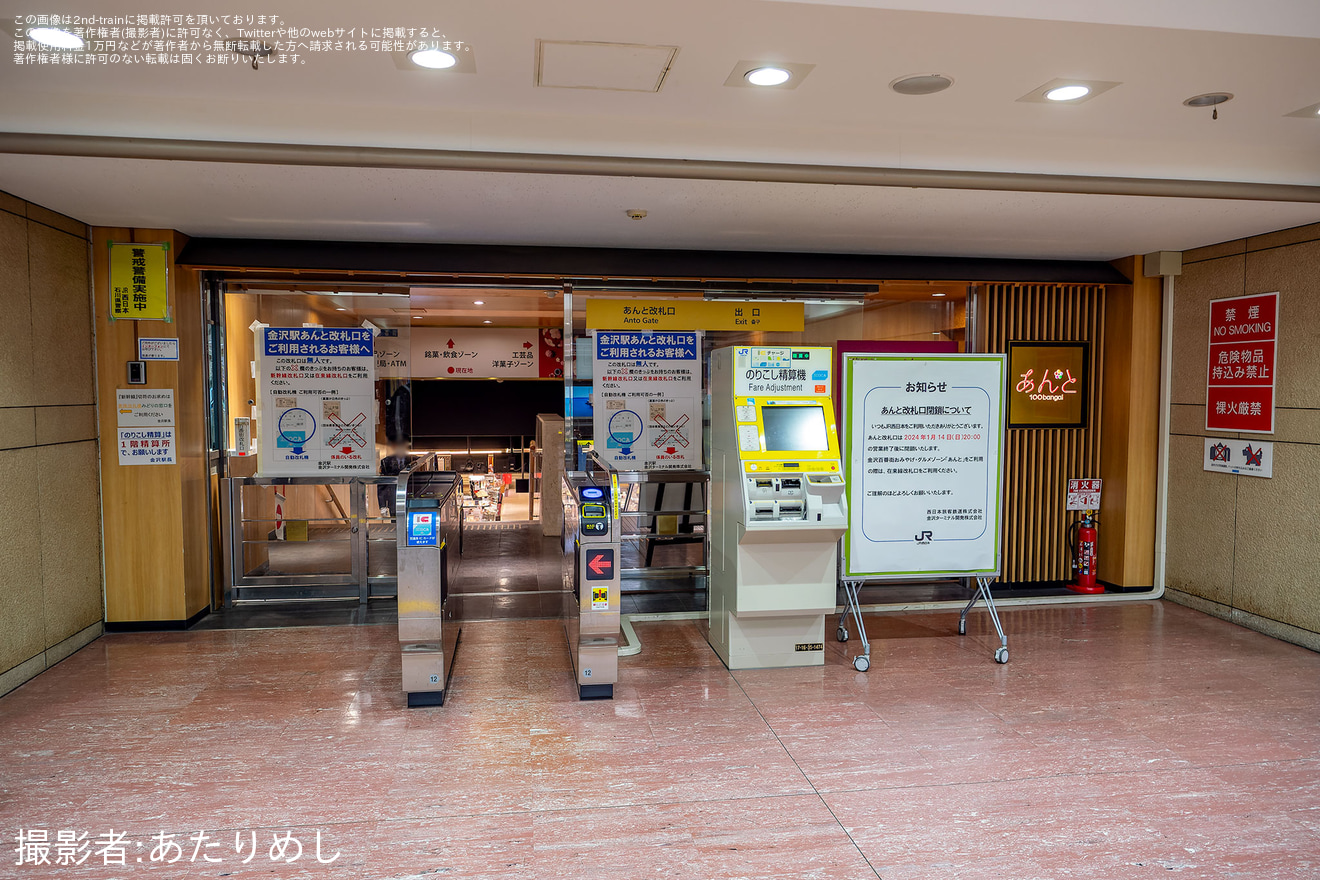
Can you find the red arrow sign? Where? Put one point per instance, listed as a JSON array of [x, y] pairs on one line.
[[527, 345], [450, 343], [600, 564]]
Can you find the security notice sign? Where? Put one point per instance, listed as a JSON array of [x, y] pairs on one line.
[[1240, 376], [646, 411], [139, 281], [924, 439], [317, 412]]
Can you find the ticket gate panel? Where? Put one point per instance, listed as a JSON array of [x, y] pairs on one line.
[[428, 557], [593, 600]]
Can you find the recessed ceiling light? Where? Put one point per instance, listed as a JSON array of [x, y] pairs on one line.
[[486, 321], [1067, 93], [1209, 99], [478, 302], [921, 84], [433, 59], [937, 294], [340, 309], [55, 38], [768, 76], [1069, 90]]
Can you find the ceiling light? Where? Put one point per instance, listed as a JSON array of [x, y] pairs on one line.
[[340, 309], [478, 302], [433, 59], [487, 321], [1209, 99], [56, 38], [768, 76], [1067, 93], [937, 294], [921, 84]]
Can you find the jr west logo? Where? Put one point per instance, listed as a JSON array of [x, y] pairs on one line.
[[923, 537]]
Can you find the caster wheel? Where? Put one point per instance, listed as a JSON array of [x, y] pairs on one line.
[[862, 663], [841, 634], [1001, 655], [962, 627]]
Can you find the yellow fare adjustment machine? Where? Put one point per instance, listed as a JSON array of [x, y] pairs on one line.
[[778, 504]]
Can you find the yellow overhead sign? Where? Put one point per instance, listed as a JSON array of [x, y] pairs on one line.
[[139, 281], [695, 314]]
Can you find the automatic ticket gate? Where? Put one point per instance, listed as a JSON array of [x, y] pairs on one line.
[[592, 599], [430, 546]]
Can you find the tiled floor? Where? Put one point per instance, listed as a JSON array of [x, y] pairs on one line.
[[1138, 741]]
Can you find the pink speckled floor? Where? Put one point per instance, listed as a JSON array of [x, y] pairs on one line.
[[1143, 740]]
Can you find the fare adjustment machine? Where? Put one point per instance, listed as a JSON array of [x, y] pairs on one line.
[[777, 502], [591, 575]]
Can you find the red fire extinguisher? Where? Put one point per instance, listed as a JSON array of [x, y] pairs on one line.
[[1084, 548]]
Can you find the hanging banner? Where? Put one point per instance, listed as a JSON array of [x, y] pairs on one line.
[[646, 408], [486, 353], [139, 281], [925, 467], [1239, 393], [318, 408], [694, 314]]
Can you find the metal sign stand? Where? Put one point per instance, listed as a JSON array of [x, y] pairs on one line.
[[983, 592], [862, 661]]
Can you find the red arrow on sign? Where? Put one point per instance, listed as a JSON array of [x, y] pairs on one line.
[[450, 343], [600, 564], [527, 345]]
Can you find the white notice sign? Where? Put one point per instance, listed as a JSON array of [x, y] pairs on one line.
[[156, 348], [924, 436], [1249, 458], [146, 446], [1083, 495], [646, 408], [144, 407], [318, 406]]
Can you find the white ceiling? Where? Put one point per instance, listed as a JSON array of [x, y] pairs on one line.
[[843, 113]]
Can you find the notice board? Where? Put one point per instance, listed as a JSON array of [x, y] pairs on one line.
[[923, 453], [318, 408], [646, 412]]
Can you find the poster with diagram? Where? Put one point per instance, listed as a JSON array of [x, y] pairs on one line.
[[646, 406], [317, 412]]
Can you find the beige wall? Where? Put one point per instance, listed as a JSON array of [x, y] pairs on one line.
[[50, 534], [1244, 547]]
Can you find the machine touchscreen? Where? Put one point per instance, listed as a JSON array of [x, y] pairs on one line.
[[794, 429]]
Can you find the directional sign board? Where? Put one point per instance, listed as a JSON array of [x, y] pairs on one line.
[[600, 564]]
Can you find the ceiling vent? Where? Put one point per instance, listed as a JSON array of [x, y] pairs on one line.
[[613, 67]]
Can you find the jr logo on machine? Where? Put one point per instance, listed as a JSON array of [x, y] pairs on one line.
[[923, 537]]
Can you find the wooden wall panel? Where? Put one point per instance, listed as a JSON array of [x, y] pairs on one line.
[[1130, 447], [157, 534], [1039, 462]]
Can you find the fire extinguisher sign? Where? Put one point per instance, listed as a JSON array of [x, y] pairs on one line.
[[1084, 494]]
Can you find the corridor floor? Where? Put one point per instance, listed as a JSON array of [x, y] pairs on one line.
[[1141, 740]]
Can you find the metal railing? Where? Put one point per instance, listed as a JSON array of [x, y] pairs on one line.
[[646, 536], [347, 555]]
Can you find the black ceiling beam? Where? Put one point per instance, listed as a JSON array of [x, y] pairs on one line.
[[569, 263]]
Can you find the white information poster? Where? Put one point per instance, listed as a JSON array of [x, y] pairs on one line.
[[646, 408], [1249, 458], [144, 407], [924, 439], [318, 408], [146, 446]]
